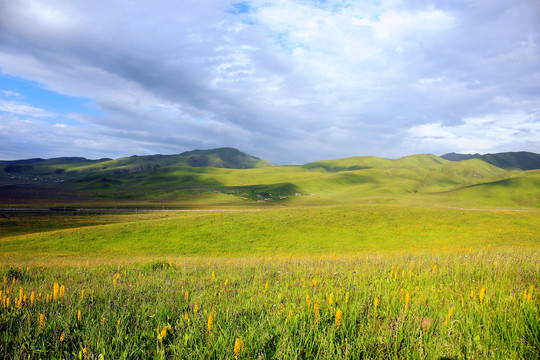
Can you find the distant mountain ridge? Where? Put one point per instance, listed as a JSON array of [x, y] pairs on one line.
[[225, 157], [227, 176], [521, 160]]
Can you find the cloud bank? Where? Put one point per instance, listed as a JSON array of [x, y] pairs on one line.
[[288, 81]]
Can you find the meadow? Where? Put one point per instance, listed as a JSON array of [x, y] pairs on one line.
[[329, 282]]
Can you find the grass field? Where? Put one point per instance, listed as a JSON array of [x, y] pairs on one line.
[[326, 282]]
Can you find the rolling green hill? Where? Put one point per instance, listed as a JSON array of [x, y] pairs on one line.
[[228, 177]]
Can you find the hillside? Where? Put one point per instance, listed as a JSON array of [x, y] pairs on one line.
[[229, 178], [508, 160], [220, 158]]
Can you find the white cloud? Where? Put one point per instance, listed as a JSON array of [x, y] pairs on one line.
[[502, 132], [15, 107], [285, 80]]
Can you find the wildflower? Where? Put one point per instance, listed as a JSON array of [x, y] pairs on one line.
[[316, 311], [63, 336], [265, 287], [32, 297], [41, 321], [308, 301], [346, 297], [291, 313], [448, 316], [238, 347], [195, 308], [210, 323], [213, 276], [376, 301], [56, 288], [407, 299], [163, 332], [79, 315], [330, 299], [82, 294], [186, 317], [186, 295], [339, 316], [482, 293], [226, 282], [472, 293], [62, 291]]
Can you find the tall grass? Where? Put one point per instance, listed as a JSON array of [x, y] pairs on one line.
[[464, 303]]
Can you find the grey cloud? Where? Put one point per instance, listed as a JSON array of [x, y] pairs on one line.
[[230, 80]]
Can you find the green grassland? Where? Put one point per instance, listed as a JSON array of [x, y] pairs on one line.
[[358, 258], [326, 282], [304, 231], [135, 183]]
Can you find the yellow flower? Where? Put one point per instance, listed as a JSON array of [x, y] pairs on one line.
[[79, 315], [195, 308], [62, 291], [308, 301], [210, 320], [56, 288], [339, 316], [376, 301], [316, 311], [186, 295], [448, 316], [482, 293], [163, 332], [32, 297], [41, 321], [407, 299], [238, 347], [290, 316], [346, 297], [63, 336], [330, 299]]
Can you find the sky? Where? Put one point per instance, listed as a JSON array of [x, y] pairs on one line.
[[289, 81]]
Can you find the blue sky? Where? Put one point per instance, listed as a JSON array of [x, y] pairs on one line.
[[34, 94], [291, 81]]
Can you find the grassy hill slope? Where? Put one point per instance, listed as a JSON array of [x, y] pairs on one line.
[[307, 231], [169, 180]]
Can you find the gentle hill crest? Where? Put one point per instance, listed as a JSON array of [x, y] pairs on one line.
[[228, 158]]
